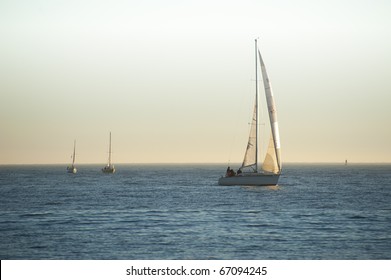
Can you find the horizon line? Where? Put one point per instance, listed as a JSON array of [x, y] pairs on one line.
[[199, 163]]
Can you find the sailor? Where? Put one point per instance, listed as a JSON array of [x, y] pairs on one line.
[[229, 172]]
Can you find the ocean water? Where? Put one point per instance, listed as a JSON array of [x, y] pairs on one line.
[[179, 212]]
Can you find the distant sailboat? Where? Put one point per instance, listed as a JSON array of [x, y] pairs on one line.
[[72, 168], [109, 168], [346, 162], [249, 173]]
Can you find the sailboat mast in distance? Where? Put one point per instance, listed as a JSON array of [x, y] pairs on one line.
[[72, 168], [109, 168], [74, 152], [110, 150]]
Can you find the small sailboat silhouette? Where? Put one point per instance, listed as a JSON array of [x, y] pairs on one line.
[[72, 168], [109, 168]]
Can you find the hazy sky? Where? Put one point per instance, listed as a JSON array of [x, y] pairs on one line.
[[174, 80]]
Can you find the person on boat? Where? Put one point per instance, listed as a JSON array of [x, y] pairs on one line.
[[230, 172], [239, 171]]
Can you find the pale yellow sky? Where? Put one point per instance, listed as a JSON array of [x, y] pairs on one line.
[[174, 80]]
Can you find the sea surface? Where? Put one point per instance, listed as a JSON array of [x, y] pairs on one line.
[[179, 212]]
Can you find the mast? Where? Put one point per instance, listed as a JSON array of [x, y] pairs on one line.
[[110, 150], [256, 106], [74, 152]]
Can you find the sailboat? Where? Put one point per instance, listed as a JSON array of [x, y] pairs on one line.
[[109, 168], [72, 168], [251, 173]]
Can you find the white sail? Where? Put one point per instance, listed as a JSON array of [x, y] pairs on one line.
[[272, 113], [250, 156], [270, 162]]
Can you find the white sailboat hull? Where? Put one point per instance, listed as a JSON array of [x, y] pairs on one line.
[[251, 179]]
